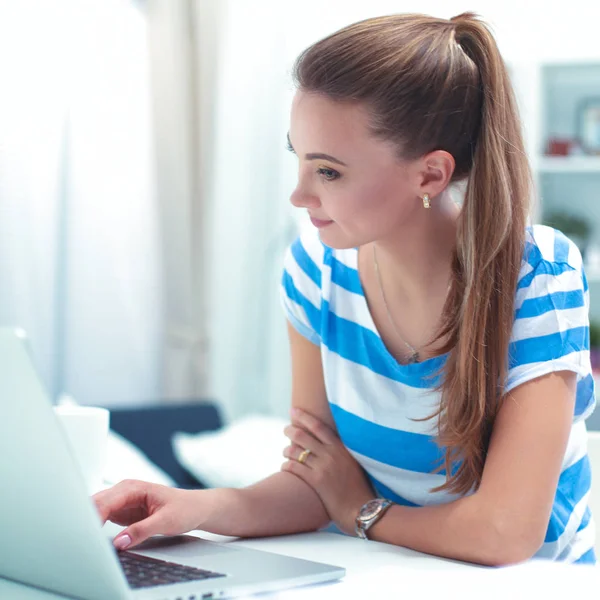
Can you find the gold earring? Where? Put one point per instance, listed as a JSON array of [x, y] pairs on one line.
[[426, 202]]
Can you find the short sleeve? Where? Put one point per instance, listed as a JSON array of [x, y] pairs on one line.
[[551, 329], [301, 285]]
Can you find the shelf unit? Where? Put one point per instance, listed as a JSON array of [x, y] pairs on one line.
[[568, 164], [549, 97]]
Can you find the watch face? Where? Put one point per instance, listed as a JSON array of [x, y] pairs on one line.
[[370, 509]]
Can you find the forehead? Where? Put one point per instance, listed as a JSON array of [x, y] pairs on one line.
[[316, 119], [340, 129]]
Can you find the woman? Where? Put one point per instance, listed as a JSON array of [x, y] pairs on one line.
[[441, 373]]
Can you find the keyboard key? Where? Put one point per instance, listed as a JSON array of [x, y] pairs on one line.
[[143, 571]]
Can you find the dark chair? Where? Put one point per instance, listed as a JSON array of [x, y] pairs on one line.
[[150, 428]]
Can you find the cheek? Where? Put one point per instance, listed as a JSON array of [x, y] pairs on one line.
[[371, 207]]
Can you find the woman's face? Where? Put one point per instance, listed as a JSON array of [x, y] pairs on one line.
[[353, 185]]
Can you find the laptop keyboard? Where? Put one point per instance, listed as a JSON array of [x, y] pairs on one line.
[[142, 571]]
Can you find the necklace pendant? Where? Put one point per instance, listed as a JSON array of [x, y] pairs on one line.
[[413, 358]]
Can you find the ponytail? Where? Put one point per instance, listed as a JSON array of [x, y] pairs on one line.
[[490, 244]]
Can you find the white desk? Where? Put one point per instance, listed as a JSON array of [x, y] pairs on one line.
[[375, 569]]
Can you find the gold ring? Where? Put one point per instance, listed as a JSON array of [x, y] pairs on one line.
[[303, 456]]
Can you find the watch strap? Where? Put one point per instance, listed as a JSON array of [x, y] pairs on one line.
[[363, 525]]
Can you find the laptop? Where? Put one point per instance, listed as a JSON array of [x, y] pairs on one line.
[[51, 536]]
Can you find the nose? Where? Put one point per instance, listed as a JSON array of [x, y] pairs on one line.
[[302, 198]]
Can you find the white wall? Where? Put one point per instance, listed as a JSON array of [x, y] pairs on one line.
[[526, 31]]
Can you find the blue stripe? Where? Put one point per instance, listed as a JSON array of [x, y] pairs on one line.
[[589, 558], [532, 254], [313, 314], [561, 247], [346, 277], [548, 347], [401, 449], [385, 492], [543, 268], [585, 281], [573, 484], [364, 347], [305, 262], [585, 395], [534, 307]]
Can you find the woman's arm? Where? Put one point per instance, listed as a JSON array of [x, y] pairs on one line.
[[505, 521], [282, 503]]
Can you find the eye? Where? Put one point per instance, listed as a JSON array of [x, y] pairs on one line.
[[289, 147], [328, 174]]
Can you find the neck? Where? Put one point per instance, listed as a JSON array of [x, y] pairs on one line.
[[416, 263]]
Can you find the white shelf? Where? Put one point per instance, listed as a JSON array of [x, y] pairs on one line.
[[568, 164]]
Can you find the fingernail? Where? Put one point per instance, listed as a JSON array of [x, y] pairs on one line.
[[296, 412], [122, 542]]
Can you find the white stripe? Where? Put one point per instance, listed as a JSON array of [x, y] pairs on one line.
[[547, 283], [526, 268], [576, 446], [584, 541], [543, 237], [414, 487], [553, 549], [576, 362], [314, 248], [575, 259], [303, 283], [297, 311], [383, 401], [550, 322], [350, 306]]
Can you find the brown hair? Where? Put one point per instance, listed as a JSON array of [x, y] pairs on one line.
[[441, 84]]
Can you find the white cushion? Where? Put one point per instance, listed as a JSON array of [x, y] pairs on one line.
[[236, 455], [125, 460]]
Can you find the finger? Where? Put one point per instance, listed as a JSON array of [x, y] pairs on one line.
[[302, 438], [302, 471], [320, 430], [294, 452], [139, 532], [124, 495]]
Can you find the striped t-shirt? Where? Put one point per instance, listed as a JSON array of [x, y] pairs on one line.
[[376, 402]]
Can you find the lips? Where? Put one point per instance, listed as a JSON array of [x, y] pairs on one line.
[[320, 222]]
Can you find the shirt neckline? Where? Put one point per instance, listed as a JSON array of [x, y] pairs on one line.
[[424, 368]]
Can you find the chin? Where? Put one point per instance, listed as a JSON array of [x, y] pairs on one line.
[[337, 240]]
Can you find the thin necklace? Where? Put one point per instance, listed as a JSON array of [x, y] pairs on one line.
[[414, 353]]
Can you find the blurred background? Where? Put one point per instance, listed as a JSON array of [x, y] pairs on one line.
[[144, 180]]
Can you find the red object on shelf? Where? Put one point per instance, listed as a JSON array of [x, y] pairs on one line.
[[559, 146]]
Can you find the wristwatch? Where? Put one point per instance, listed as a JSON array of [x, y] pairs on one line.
[[369, 514]]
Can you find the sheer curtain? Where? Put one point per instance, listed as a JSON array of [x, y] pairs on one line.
[[221, 95], [79, 255], [249, 219], [31, 157]]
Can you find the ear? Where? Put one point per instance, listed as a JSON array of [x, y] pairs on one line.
[[436, 170]]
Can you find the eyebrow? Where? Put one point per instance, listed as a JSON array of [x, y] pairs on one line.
[[315, 155]]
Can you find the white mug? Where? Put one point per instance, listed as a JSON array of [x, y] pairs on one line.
[[86, 429]]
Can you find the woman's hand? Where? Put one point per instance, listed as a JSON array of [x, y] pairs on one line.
[[329, 468], [148, 509]]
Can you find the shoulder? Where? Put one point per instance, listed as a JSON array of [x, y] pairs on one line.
[[550, 260], [551, 327]]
